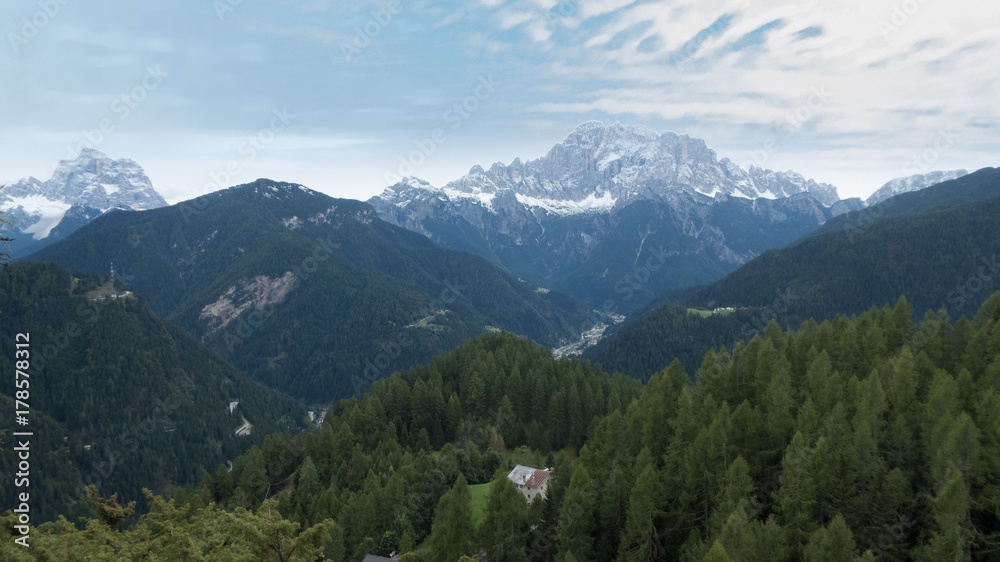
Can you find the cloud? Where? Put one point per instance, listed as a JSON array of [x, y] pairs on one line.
[[728, 71], [757, 36], [809, 32]]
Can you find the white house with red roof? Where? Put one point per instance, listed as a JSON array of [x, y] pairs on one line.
[[531, 482]]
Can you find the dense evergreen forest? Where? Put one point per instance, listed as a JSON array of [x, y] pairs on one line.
[[118, 397], [862, 438], [642, 346], [945, 256], [980, 185], [855, 261], [311, 295]]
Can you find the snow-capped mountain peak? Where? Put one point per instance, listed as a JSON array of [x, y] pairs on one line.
[[912, 183], [608, 206], [84, 187], [598, 166]]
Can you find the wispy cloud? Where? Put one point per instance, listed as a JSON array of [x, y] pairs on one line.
[[729, 71]]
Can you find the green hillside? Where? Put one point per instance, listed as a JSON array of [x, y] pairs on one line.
[[937, 248], [118, 397], [311, 295], [857, 439]]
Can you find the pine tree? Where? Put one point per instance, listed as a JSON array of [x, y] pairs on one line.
[[576, 517], [834, 543], [796, 498], [452, 531], [952, 536], [717, 554], [504, 531], [306, 491], [737, 494], [108, 510], [250, 477], [641, 541]]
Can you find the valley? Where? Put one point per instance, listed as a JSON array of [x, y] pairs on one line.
[[708, 359]]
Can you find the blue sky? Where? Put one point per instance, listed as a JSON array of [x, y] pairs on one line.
[[211, 93]]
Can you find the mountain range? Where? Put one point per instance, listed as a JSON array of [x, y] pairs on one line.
[[175, 345], [605, 222], [936, 247], [80, 190], [616, 214], [309, 294], [912, 183]]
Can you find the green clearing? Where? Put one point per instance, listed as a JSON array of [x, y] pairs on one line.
[[707, 313], [479, 493]]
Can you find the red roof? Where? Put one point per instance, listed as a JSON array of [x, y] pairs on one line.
[[527, 476], [537, 478]]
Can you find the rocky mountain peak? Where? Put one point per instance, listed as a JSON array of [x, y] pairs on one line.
[[598, 167], [92, 181], [912, 183]]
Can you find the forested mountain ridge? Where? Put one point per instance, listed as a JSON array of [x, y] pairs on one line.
[[939, 244], [981, 185], [944, 256], [118, 397], [855, 439], [309, 294], [644, 344]]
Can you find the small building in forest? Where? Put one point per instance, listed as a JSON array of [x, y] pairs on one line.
[[531, 482]]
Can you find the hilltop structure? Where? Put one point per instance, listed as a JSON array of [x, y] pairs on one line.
[[531, 482]]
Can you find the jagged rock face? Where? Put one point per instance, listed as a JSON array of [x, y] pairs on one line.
[[78, 191], [912, 183], [600, 167], [96, 181], [588, 215]]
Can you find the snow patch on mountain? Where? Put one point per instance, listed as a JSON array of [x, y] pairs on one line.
[[49, 213], [91, 180], [912, 183], [593, 203], [598, 167], [482, 197]]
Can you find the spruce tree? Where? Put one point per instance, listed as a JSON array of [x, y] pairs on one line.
[[641, 541], [452, 532], [576, 517], [504, 531]]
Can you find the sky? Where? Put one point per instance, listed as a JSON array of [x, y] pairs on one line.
[[345, 97]]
